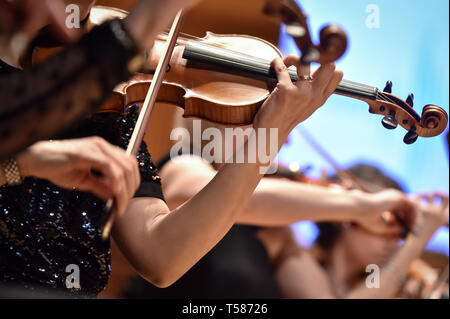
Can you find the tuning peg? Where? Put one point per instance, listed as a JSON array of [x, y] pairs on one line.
[[410, 100], [411, 136], [388, 87], [389, 121], [310, 56], [295, 30]]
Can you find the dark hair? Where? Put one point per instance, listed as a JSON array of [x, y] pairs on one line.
[[374, 176], [330, 232]]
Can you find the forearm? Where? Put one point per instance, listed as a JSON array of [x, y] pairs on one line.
[[210, 214], [202, 221], [282, 202], [191, 230]]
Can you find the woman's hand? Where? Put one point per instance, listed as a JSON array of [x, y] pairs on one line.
[[435, 210], [385, 210], [290, 104], [88, 164], [21, 21]]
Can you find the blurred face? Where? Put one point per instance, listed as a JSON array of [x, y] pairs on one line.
[[367, 248]]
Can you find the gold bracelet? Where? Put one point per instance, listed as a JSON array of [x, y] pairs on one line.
[[12, 173]]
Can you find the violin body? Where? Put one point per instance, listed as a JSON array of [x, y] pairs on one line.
[[203, 91], [207, 92]]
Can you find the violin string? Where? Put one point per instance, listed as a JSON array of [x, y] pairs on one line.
[[381, 97], [356, 86], [361, 86], [384, 97], [187, 36]]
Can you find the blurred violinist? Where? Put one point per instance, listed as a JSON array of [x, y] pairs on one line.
[[335, 267]]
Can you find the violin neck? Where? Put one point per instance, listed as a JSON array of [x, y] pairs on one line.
[[357, 90], [260, 68]]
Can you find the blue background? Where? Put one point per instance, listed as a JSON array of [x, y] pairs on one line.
[[411, 48]]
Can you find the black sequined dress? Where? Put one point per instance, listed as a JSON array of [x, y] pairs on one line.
[[45, 230]]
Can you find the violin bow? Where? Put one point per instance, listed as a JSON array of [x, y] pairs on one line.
[[150, 100], [347, 176], [342, 173]]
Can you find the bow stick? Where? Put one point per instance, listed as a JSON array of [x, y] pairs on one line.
[[150, 100], [342, 173], [349, 177]]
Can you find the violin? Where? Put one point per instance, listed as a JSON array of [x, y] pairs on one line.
[[226, 78]]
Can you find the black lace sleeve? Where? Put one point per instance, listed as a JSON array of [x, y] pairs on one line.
[[46, 99], [117, 129]]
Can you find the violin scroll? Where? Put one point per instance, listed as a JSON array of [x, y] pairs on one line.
[[396, 112], [333, 40], [333, 44], [433, 116]]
